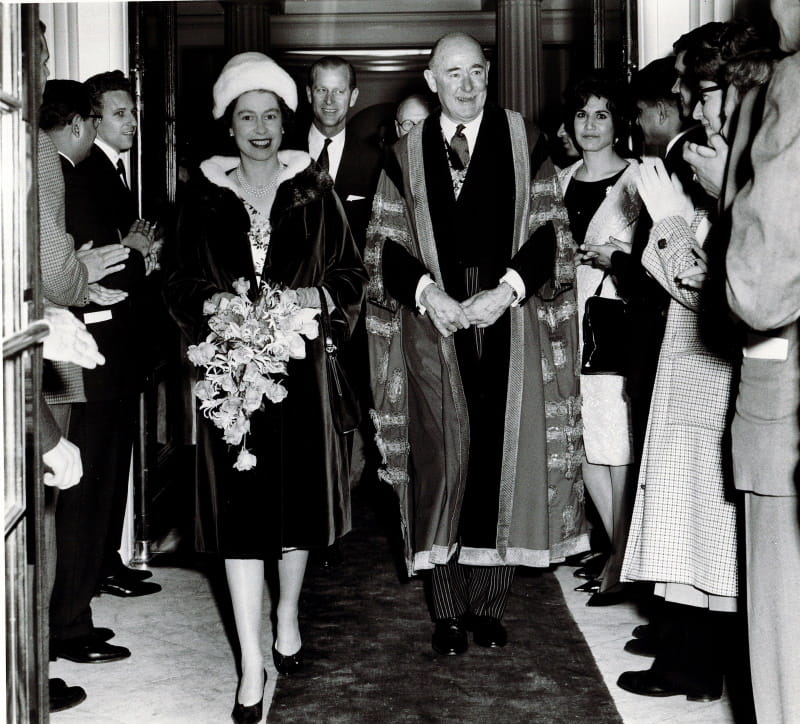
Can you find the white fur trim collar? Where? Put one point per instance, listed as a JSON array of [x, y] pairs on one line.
[[217, 168]]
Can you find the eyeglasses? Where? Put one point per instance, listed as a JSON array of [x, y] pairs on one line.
[[408, 124]]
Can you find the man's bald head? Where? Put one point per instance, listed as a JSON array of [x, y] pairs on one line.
[[410, 112], [458, 73], [450, 40]]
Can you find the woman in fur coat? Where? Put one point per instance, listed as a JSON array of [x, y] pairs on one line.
[[268, 215]]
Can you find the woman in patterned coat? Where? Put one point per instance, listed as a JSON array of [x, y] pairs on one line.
[[683, 534]]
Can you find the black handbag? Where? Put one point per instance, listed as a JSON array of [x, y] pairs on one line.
[[606, 335], [345, 409]]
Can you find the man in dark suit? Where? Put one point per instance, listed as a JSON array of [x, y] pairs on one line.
[[354, 164], [100, 208]]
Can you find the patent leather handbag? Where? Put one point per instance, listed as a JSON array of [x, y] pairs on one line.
[[606, 335]]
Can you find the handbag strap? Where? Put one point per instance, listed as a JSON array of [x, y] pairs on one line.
[[600, 285], [330, 347]]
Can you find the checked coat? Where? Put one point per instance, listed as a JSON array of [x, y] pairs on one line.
[[684, 520], [64, 276]]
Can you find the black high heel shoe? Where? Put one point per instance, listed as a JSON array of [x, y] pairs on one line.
[[288, 664], [249, 714], [592, 586]]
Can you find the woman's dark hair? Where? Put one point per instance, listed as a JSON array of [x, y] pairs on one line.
[[614, 91], [749, 70], [707, 62], [287, 114]]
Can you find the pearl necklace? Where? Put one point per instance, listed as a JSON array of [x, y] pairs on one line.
[[258, 192]]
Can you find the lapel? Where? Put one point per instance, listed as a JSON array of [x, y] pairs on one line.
[[348, 166]]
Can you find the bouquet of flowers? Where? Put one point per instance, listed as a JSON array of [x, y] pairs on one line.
[[245, 357]]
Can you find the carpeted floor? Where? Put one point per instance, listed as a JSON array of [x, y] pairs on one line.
[[367, 638]]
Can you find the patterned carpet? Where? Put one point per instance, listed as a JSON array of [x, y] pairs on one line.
[[367, 637]]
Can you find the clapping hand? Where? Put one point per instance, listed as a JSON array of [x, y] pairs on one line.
[[69, 340], [708, 163], [663, 196], [103, 260], [484, 308], [141, 236], [446, 313], [695, 276], [105, 297]]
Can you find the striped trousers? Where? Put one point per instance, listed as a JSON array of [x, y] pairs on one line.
[[480, 590]]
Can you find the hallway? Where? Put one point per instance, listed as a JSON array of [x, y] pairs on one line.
[[182, 668]]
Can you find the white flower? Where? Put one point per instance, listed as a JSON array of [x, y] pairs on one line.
[[245, 461], [241, 355], [275, 392], [204, 390], [233, 435], [200, 354], [241, 286], [279, 349]]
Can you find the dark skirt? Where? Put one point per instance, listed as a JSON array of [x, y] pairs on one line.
[[297, 495]]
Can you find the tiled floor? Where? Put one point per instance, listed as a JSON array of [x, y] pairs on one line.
[[182, 668]]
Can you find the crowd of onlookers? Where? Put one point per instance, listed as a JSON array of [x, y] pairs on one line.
[[691, 447]]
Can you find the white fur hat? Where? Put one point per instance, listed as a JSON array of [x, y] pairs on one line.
[[252, 71]]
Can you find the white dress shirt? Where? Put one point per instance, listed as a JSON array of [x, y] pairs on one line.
[[316, 140]]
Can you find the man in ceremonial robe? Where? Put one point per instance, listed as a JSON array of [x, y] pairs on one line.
[[474, 379]]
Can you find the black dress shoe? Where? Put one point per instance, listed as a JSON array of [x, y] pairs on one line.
[[656, 683], [488, 631], [592, 586], [249, 714], [609, 598], [644, 631], [641, 647], [102, 634], [63, 696], [288, 664], [449, 637], [87, 650], [127, 588], [134, 574]]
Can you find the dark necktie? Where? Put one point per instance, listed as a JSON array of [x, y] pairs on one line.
[[459, 149], [323, 160], [121, 172]]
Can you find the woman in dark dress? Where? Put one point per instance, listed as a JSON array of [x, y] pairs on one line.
[[267, 215]]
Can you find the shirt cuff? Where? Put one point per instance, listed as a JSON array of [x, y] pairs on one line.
[[515, 281], [424, 282]]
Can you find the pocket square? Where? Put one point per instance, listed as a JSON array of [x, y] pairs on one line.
[[355, 197]]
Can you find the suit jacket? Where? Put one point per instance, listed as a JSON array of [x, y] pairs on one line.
[[355, 182], [674, 163], [64, 277], [763, 287], [101, 209]]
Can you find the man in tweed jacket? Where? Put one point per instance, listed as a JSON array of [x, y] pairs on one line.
[[68, 277]]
